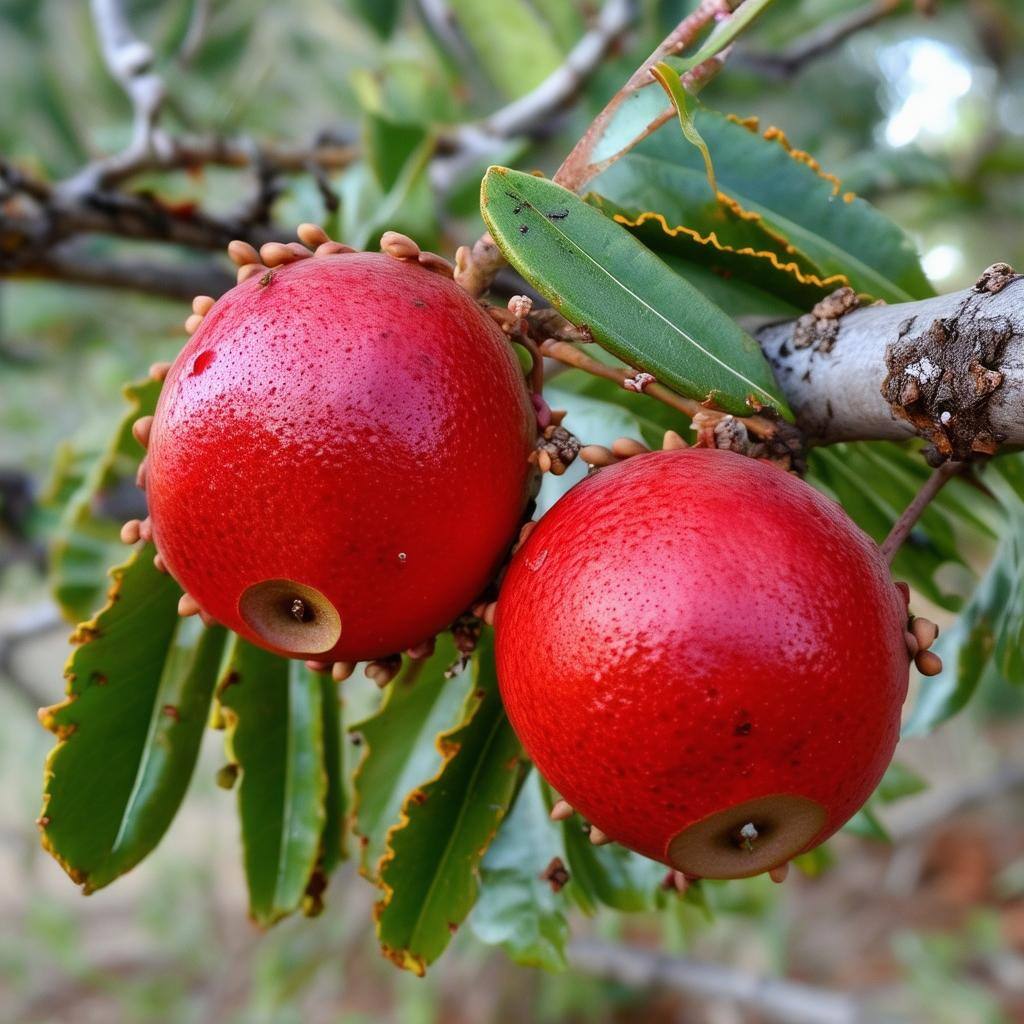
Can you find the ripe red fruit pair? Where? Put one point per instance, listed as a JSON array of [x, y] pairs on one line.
[[701, 653]]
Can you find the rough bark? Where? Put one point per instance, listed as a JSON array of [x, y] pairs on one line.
[[950, 369]]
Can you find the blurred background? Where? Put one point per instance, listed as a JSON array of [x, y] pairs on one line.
[[917, 107]]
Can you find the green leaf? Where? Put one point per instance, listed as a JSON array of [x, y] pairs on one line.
[[597, 274], [274, 717], [874, 482], [723, 34], [381, 15], [609, 875], [430, 873], [400, 748], [408, 206], [685, 103], [389, 146], [519, 909], [512, 42], [139, 688], [899, 782], [986, 643], [87, 539], [866, 825], [841, 234], [336, 798]]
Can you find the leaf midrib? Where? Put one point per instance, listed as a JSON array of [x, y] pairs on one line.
[[773, 399]]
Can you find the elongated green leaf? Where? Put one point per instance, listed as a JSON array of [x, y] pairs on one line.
[[430, 872], [511, 41], [139, 690], [986, 643], [723, 34], [522, 902], [685, 103], [610, 875], [841, 234], [274, 716], [380, 15], [86, 541], [400, 743], [598, 275], [336, 797]]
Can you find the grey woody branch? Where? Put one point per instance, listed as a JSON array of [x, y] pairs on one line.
[[950, 369], [769, 999]]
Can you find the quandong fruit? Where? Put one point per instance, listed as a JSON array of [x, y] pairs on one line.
[[339, 457], [706, 658]]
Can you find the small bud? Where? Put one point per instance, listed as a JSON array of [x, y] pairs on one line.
[[342, 670], [912, 645], [626, 447], [318, 666], [561, 811], [312, 235], [242, 253], [187, 606], [250, 270], [130, 533], [597, 455], [146, 529], [925, 632], [202, 304], [158, 371], [192, 323], [227, 776], [520, 306], [436, 264], [141, 429], [489, 613], [778, 875], [276, 254], [599, 838], [543, 461], [333, 249], [158, 563], [928, 663], [639, 382], [402, 247], [673, 442]]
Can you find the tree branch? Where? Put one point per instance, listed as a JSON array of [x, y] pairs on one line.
[[821, 41], [950, 369], [130, 62], [770, 999], [71, 262]]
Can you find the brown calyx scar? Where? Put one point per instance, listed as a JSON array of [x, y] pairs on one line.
[[290, 616], [747, 838]]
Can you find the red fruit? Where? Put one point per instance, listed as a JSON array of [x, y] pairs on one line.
[[692, 642], [338, 461]]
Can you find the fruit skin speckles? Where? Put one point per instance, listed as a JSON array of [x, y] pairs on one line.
[[361, 427], [702, 630]]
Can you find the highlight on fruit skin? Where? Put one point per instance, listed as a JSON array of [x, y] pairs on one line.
[[340, 456], [705, 658]]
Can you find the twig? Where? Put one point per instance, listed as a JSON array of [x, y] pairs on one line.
[[821, 41], [195, 32], [531, 115], [578, 167], [569, 354], [480, 264], [130, 62], [913, 512], [71, 262], [771, 999], [34, 622]]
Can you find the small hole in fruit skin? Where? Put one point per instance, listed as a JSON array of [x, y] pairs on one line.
[[202, 361]]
